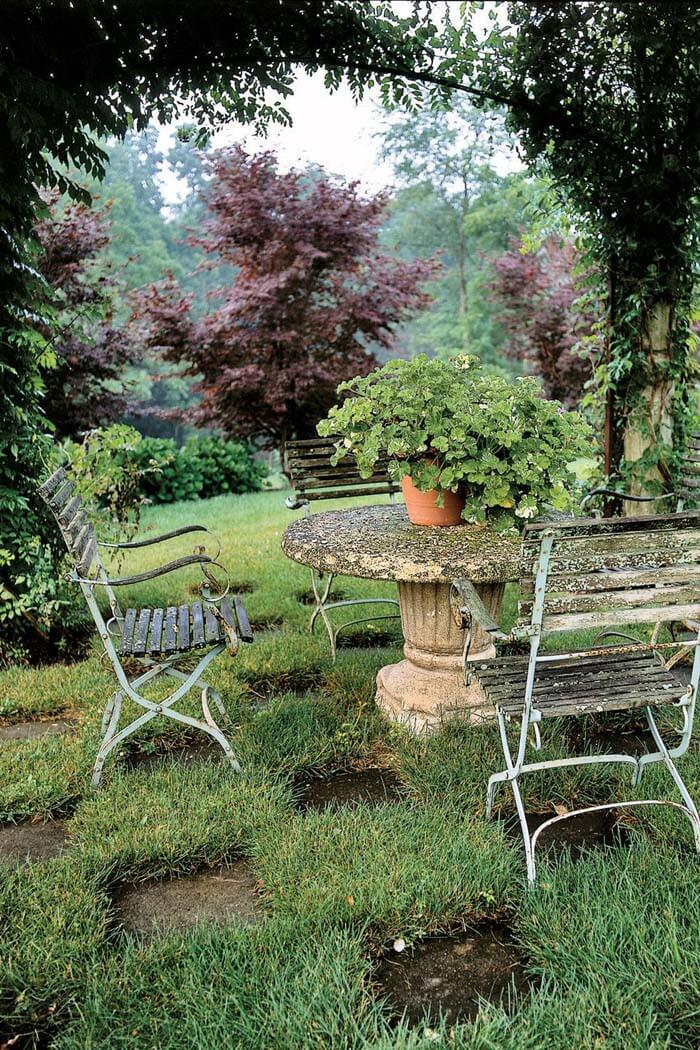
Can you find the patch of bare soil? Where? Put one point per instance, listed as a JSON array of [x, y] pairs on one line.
[[588, 831], [27, 843], [225, 894], [448, 976], [32, 730], [347, 788]]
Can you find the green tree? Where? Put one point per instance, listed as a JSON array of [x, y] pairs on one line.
[[446, 156], [75, 74], [605, 97]]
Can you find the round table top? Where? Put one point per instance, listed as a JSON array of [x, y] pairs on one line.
[[379, 543]]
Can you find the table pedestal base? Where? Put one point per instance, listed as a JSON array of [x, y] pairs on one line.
[[428, 687]]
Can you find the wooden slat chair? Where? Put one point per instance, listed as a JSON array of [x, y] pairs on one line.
[[315, 478], [592, 573], [158, 638]]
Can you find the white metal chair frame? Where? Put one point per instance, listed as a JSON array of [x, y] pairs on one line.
[[467, 608], [88, 571]]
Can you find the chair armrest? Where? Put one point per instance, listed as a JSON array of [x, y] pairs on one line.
[[156, 539], [624, 496], [468, 607], [295, 502], [150, 574]]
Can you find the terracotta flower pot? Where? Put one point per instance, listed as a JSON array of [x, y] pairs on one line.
[[423, 509]]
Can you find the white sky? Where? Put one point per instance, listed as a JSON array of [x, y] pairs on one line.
[[328, 129]]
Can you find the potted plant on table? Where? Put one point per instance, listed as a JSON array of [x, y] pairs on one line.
[[465, 445]]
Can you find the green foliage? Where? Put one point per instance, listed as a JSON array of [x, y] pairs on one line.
[[108, 474], [200, 468], [449, 425], [451, 201], [605, 98]]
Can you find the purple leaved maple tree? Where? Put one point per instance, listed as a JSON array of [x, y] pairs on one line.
[[313, 296], [544, 317], [84, 388]]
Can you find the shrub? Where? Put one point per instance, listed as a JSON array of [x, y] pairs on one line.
[[201, 468]]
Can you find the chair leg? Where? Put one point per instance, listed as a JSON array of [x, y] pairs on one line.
[[107, 714], [114, 706], [215, 732], [112, 738], [321, 594], [172, 672]]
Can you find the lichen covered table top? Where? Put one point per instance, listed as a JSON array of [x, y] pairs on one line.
[[380, 543]]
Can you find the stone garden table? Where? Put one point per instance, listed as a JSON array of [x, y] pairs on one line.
[[379, 543]]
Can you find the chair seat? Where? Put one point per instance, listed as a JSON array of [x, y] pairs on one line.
[[162, 632], [604, 682]]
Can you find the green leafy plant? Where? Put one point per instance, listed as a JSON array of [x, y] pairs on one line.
[[448, 425], [200, 468], [108, 474]]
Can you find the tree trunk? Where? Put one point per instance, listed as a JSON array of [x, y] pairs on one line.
[[650, 423]]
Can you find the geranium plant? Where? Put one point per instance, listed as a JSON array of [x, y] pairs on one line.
[[450, 426]]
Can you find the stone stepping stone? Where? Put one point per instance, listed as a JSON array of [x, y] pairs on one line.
[[225, 894], [347, 788], [27, 843], [32, 730], [589, 831], [448, 975]]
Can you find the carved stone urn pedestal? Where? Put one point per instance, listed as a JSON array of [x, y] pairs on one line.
[[428, 686], [379, 543]]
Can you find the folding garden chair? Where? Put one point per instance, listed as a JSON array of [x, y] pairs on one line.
[[159, 639], [314, 478], [590, 573]]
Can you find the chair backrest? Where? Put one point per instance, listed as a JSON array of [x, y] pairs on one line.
[[610, 572], [314, 477], [60, 495]]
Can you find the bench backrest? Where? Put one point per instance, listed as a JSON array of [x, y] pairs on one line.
[[690, 473], [610, 572], [314, 477]]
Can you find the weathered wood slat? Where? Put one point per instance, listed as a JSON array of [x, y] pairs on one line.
[[212, 631], [244, 628], [183, 625], [619, 617], [169, 643], [79, 523], [140, 643], [197, 624], [69, 512], [325, 481], [308, 442], [641, 597], [87, 557], [606, 580], [127, 640], [641, 559], [379, 490], [601, 527], [52, 483], [61, 496], [155, 636], [583, 686]]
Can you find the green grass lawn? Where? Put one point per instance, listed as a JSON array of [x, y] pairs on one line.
[[611, 940]]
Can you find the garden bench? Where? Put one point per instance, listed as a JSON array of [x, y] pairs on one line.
[[314, 478], [576, 575], [158, 639]]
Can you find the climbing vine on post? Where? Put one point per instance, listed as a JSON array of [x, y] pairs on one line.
[[605, 98]]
